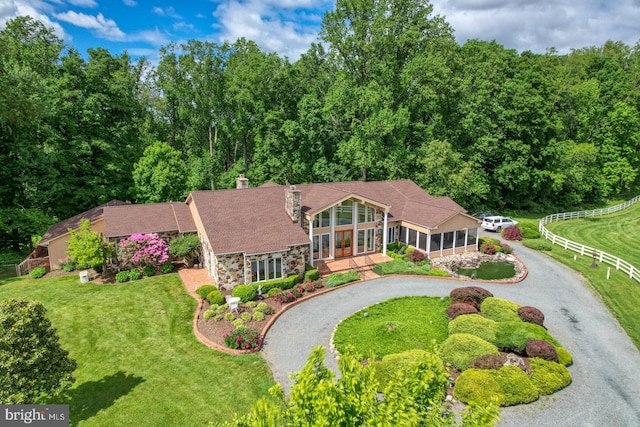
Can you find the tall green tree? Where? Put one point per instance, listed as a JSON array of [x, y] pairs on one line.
[[159, 175]]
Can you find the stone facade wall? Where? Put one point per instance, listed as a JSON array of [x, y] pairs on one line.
[[229, 270], [295, 259], [293, 203]]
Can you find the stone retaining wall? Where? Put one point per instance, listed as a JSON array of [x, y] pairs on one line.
[[451, 263]]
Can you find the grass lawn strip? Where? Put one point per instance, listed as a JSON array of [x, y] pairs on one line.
[[139, 362]]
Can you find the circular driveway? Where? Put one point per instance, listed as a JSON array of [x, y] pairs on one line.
[[606, 369]]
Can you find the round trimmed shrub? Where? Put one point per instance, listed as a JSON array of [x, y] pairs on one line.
[[437, 272], [258, 316], [221, 308], [529, 230], [542, 350], [122, 277], [548, 377], [238, 323], [217, 317], [37, 272], [564, 357], [166, 268], [507, 386], [512, 233], [513, 336], [149, 271], [516, 387], [135, 274], [473, 295], [246, 293], [531, 315], [246, 316], [229, 317], [474, 324], [273, 291], [459, 308], [251, 304], [205, 290], [500, 310], [488, 361], [209, 314], [391, 364], [460, 349], [264, 308], [215, 297]]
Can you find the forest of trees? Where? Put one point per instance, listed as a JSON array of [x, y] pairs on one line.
[[386, 93]]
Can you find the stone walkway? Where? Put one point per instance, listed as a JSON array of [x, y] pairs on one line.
[[193, 278]]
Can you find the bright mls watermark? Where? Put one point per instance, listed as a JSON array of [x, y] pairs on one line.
[[36, 415]]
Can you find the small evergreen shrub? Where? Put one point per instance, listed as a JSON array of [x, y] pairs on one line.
[[390, 364], [135, 274], [460, 349], [500, 310], [246, 316], [513, 336], [221, 308], [564, 357], [218, 317], [149, 271], [311, 275], [488, 361], [229, 317], [529, 230], [548, 377], [509, 386], [474, 324], [459, 308], [122, 277], [258, 316], [512, 233], [437, 272], [244, 339], [69, 266], [516, 387], [166, 268], [542, 350], [245, 292], [37, 272], [264, 308], [538, 244], [209, 314], [251, 304], [337, 279], [205, 290], [215, 297], [531, 315], [473, 295], [238, 323]]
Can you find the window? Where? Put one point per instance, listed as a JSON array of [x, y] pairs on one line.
[[322, 219], [316, 247], [266, 269], [460, 237], [435, 242], [391, 235], [371, 239], [422, 242], [447, 240], [473, 236], [366, 214], [413, 238], [403, 234], [325, 246], [258, 270], [344, 213], [275, 268]]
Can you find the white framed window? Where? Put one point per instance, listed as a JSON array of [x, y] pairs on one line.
[[391, 235], [275, 268], [258, 270], [371, 239], [366, 214], [322, 219], [344, 213], [267, 268]]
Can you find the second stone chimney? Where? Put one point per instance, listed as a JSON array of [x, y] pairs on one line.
[[293, 203], [242, 182]]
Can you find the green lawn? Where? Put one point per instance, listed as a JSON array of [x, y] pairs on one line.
[[388, 329], [616, 234], [139, 363]]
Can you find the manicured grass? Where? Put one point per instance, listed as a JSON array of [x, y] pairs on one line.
[[490, 271], [394, 326], [616, 234], [139, 363]]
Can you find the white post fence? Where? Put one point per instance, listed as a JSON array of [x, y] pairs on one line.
[[601, 256]]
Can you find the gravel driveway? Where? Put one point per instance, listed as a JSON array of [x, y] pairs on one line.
[[606, 369]]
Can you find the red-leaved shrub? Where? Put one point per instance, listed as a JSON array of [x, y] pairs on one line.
[[488, 248], [459, 308], [473, 295], [541, 349], [488, 361], [512, 233], [416, 256], [531, 315]]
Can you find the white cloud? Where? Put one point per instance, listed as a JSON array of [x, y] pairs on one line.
[[103, 27], [130, 3], [83, 3], [287, 27], [167, 11], [37, 9]]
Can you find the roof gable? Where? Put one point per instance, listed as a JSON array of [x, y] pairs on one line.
[[126, 220]]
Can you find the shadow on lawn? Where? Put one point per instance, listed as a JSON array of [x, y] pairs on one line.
[[89, 398]]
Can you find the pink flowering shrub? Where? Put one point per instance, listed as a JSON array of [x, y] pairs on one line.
[[141, 250], [283, 297], [248, 339]]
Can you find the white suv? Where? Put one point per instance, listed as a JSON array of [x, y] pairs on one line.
[[497, 223]]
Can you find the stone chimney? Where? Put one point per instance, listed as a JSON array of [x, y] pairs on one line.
[[242, 182], [293, 203]]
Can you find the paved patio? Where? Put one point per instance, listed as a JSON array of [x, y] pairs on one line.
[[193, 278]]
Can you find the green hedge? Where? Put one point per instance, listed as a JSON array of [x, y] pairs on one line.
[[508, 386], [500, 310], [529, 230], [461, 349], [246, 293], [205, 290], [538, 244], [474, 324], [437, 272], [548, 377], [285, 283], [311, 275], [337, 279]]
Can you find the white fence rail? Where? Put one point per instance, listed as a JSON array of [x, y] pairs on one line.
[[602, 257]]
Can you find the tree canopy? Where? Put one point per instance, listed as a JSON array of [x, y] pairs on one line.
[[388, 94]]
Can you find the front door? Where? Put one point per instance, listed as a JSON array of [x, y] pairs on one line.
[[343, 243]]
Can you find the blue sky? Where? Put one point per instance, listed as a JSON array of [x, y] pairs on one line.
[[288, 27]]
